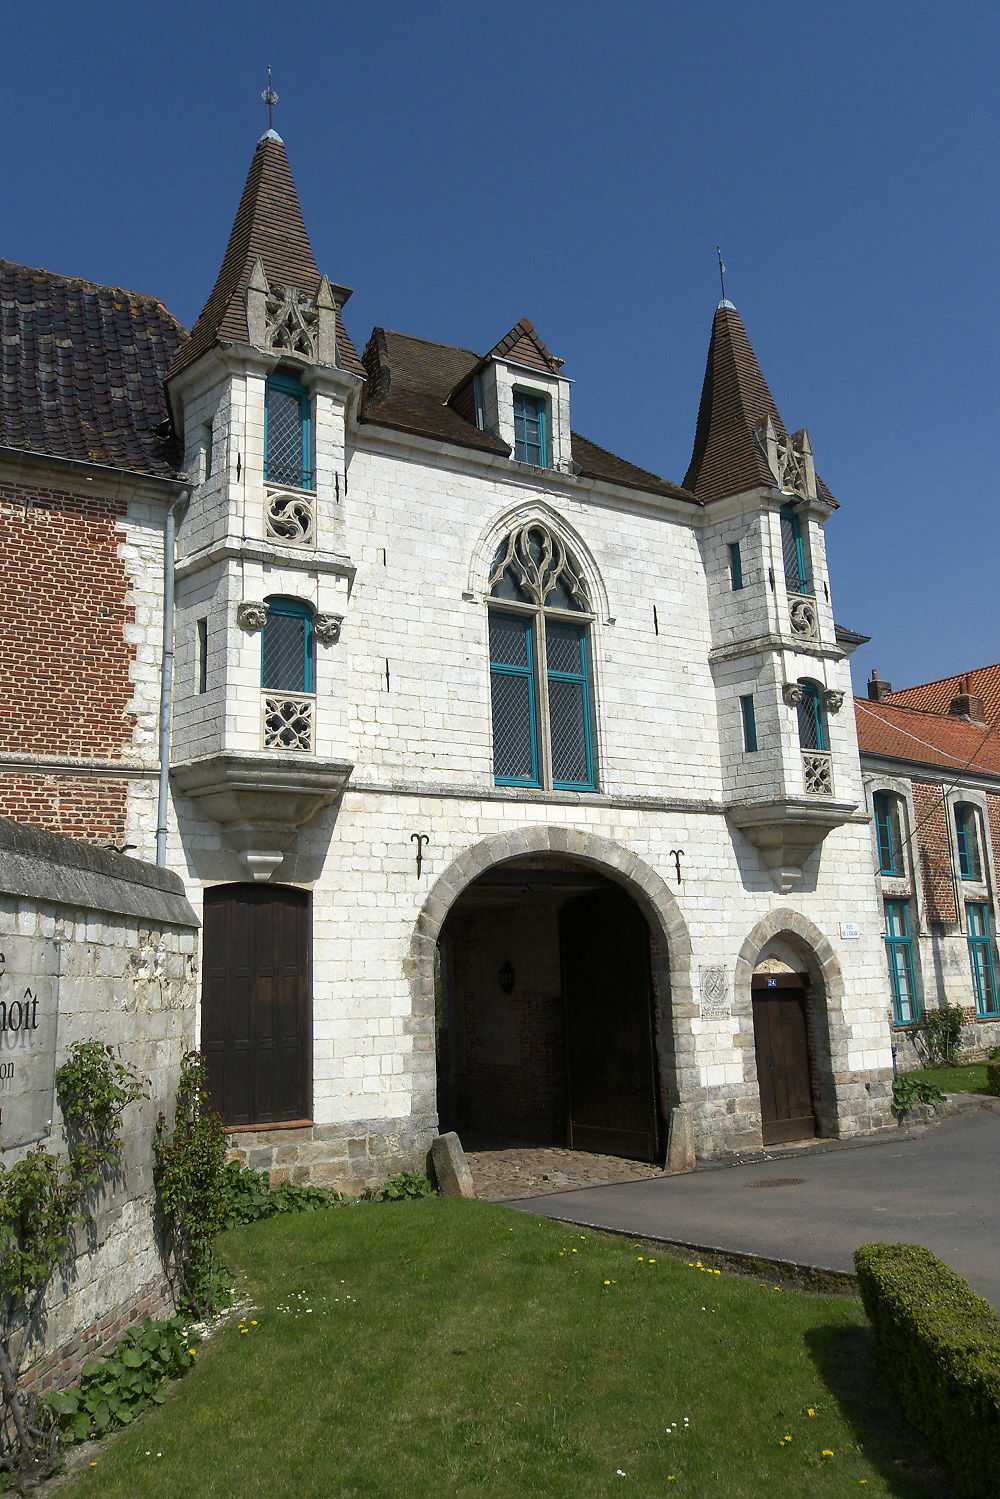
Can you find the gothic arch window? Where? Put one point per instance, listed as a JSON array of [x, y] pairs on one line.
[[541, 682], [793, 551], [287, 432]]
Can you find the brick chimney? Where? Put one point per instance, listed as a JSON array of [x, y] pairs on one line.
[[878, 691], [965, 705]]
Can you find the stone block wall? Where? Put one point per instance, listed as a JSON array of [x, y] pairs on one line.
[[125, 965]]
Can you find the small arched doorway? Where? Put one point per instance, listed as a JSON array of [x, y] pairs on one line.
[[548, 991]]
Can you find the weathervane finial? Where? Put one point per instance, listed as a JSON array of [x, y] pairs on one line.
[[722, 272], [270, 98]]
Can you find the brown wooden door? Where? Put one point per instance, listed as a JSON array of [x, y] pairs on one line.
[[783, 1073], [256, 1002], [612, 1074]]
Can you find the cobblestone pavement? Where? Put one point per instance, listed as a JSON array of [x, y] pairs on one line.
[[505, 1173]]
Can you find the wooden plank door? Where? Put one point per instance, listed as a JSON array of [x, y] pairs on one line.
[[256, 1002], [612, 1076], [783, 1073]]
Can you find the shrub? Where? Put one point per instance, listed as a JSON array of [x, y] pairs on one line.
[[938, 1346], [993, 1078], [908, 1089], [941, 1033]]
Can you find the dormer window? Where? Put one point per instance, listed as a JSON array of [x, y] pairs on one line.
[[529, 429], [287, 432]]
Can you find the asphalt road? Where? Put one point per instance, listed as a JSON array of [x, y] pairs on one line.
[[939, 1189]]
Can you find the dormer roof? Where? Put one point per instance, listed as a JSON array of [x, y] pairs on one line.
[[522, 345], [269, 226], [727, 459]]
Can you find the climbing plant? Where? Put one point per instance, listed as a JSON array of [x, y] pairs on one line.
[[40, 1200], [188, 1171]]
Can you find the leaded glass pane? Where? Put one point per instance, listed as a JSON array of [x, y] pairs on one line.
[[286, 463], [563, 646], [283, 654], [509, 641], [568, 732], [791, 548], [513, 757], [808, 711]]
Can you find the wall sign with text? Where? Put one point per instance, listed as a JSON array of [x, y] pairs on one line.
[[29, 1012]]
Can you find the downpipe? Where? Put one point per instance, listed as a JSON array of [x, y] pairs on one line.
[[167, 676]]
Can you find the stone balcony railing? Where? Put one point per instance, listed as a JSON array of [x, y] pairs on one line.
[[817, 772], [287, 723]]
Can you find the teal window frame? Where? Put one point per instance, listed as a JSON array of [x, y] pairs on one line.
[[524, 447], [526, 673], [899, 954], [885, 809], [977, 923], [208, 450], [735, 566], [810, 715], [292, 386], [797, 579], [967, 838], [202, 627], [291, 609], [749, 723], [582, 679]]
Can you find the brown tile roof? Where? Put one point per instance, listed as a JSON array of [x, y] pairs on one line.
[[899, 733], [522, 345], [726, 460], [937, 697], [268, 224], [411, 379], [81, 371]]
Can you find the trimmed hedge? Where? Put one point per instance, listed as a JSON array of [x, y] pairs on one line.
[[993, 1078], [938, 1347]]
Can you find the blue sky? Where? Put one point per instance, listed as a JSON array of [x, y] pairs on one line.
[[465, 165]]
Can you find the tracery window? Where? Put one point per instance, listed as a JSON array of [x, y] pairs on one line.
[[540, 672]]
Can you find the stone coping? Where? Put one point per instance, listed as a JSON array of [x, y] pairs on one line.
[[39, 865]]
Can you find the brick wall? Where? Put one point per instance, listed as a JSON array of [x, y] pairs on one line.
[[934, 852], [66, 681], [92, 808]]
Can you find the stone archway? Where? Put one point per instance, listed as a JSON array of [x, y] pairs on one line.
[[670, 943], [827, 1036]]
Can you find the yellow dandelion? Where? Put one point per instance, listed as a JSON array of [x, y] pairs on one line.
[[253, 1322], [607, 1282], [810, 1412], [826, 1452]]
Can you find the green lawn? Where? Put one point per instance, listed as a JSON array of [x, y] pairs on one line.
[[443, 1348], [968, 1079]]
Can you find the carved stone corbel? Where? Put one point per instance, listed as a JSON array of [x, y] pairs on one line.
[[792, 693], [832, 699], [251, 616], [326, 628]]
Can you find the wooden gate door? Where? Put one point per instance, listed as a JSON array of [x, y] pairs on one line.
[[613, 1087], [782, 1047], [256, 1005]]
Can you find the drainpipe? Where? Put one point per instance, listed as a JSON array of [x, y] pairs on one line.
[[167, 675]]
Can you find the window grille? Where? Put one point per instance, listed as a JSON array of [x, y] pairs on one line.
[[793, 553], [287, 433]]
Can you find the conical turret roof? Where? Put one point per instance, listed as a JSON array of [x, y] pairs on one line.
[[734, 398], [268, 225]]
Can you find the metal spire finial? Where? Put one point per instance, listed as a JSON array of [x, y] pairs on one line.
[[722, 272], [270, 98]]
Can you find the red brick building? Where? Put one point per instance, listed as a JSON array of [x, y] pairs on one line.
[[87, 475], [930, 757]]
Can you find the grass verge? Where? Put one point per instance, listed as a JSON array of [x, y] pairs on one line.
[[444, 1347], [968, 1079]]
